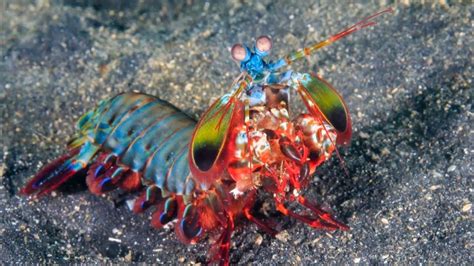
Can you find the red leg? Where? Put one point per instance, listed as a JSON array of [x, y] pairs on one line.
[[248, 206], [315, 223], [325, 216], [149, 196], [259, 223], [221, 250], [130, 181]]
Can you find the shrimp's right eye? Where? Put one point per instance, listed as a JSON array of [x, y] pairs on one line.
[[263, 45]]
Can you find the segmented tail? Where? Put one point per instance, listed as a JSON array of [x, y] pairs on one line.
[[53, 175]]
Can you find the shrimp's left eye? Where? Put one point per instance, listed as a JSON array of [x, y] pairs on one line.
[[239, 52], [263, 45]]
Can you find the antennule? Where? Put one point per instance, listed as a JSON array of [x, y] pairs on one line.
[[301, 53]]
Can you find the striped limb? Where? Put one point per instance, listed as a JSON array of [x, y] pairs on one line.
[[322, 219], [289, 59], [220, 251], [261, 224]]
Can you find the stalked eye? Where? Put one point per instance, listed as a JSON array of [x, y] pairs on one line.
[[239, 52], [263, 45]]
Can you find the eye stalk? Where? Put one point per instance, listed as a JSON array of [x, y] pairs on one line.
[[240, 53], [263, 45]]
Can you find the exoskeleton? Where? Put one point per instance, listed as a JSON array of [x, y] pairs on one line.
[[205, 175]]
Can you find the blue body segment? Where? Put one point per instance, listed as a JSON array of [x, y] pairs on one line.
[[164, 157], [148, 136], [128, 129], [87, 152], [177, 180], [149, 141], [114, 111], [255, 65]]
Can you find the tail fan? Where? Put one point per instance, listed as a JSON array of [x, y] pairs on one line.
[[53, 175]]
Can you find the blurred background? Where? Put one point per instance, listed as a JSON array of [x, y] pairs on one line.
[[407, 82]]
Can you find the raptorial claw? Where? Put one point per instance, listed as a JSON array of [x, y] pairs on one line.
[[289, 150], [313, 222], [304, 171]]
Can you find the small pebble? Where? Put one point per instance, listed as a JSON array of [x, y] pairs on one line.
[[258, 239], [111, 239], [2, 169], [451, 168], [435, 187], [467, 207], [437, 174], [283, 236], [22, 227], [385, 151], [364, 135], [298, 241], [188, 87], [129, 256]]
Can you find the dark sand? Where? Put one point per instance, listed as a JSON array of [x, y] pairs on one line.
[[407, 81]]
